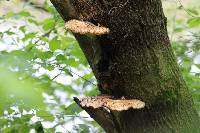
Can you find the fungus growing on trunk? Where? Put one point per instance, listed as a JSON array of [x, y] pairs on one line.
[[81, 27], [111, 103]]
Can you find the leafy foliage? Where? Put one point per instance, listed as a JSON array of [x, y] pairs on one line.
[[186, 44], [40, 76]]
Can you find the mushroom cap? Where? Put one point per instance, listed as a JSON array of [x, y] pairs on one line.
[[112, 104], [82, 27]]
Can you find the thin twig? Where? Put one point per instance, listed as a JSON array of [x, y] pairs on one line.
[[45, 34], [181, 5], [77, 75], [82, 77], [56, 76]]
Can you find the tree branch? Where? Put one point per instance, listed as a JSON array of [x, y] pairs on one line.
[[100, 115]]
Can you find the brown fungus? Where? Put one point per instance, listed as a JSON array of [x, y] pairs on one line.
[[81, 27], [110, 103]]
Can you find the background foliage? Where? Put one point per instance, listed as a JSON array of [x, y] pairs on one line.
[[42, 67]]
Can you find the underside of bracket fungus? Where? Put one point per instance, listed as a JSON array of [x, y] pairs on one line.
[[110, 103], [81, 27]]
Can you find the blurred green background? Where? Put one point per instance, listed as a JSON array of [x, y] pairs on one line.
[[42, 67]]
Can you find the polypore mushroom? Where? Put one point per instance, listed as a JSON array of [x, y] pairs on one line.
[[110, 103], [82, 27]]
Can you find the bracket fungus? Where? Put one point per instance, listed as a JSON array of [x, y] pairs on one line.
[[82, 27], [110, 103]]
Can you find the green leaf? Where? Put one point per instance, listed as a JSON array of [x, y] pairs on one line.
[[48, 24], [30, 20], [66, 42], [9, 14], [24, 14], [26, 117], [38, 127], [193, 22], [70, 90], [60, 58], [1, 35], [54, 44], [197, 74], [73, 109], [11, 85], [193, 12], [46, 54], [178, 29], [88, 76], [92, 92], [22, 28], [72, 62], [197, 65], [29, 36], [9, 32], [45, 115], [68, 72], [29, 46], [50, 67]]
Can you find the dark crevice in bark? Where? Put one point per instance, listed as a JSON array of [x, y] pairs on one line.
[[135, 61]]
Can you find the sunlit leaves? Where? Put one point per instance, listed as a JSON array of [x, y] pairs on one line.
[[178, 29], [16, 124], [29, 46], [22, 28], [194, 22], [9, 14], [194, 12], [24, 14], [46, 115], [32, 21], [11, 87], [54, 44], [66, 42], [47, 53], [72, 109], [8, 32], [30, 35], [187, 49], [18, 15], [48, 24]]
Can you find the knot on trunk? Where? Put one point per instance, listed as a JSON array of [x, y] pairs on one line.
[[82, 27]]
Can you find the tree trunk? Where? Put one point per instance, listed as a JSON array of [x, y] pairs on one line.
[[135, 60]]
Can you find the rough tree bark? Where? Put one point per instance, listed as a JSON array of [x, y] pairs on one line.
[[135, 60]]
